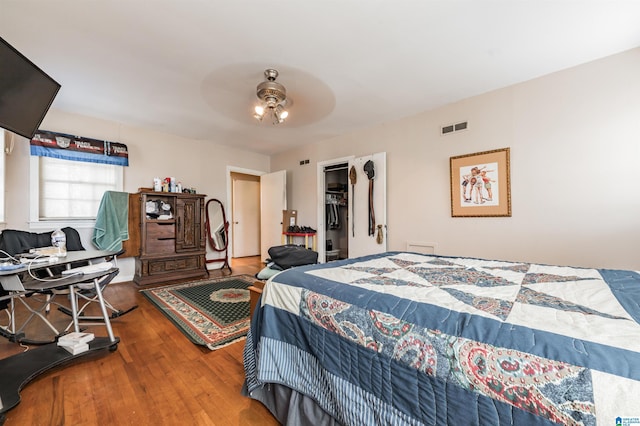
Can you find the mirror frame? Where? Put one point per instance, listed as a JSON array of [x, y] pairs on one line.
[[225, 225], [225, 230]]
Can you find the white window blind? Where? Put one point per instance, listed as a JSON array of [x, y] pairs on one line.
[[74, 189]]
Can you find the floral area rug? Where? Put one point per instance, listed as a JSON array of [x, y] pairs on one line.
[[212, 312]]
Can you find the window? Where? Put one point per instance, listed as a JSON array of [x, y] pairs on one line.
[[72, 189]]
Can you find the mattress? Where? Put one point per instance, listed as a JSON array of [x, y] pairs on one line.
[[407, 338]]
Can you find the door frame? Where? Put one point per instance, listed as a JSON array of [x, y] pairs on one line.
[[246, 202], [321, 210], [229, 212]]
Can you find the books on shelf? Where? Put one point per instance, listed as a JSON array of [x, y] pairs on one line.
[[76, 342]]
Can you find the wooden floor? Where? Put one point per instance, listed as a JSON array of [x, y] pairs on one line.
[[156, 375]]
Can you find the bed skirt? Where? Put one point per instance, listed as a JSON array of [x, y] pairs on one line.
[[289, 407]]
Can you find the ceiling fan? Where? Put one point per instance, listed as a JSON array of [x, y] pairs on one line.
[[273, 98]]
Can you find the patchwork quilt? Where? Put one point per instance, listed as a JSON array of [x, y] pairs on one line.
[[404, 338]]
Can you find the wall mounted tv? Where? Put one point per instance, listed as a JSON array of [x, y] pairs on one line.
[[26, 92]]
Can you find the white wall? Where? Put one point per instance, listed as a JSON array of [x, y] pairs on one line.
[[575, 149], [198, 164], [575, 154]]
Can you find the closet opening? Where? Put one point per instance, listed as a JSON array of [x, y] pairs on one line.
[[336, 212]]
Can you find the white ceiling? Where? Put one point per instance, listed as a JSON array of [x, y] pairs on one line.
[[190, 67]]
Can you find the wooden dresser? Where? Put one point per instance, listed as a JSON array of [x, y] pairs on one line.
[[167, 236]]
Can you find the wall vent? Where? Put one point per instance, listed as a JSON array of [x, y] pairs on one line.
[[451, 128], [421, 247]]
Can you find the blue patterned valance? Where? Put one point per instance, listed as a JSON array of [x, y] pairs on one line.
[[77, 148]]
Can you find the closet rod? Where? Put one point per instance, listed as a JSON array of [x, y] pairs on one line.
[[336, 167]]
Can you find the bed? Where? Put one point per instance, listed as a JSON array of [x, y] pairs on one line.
[[405, 338]]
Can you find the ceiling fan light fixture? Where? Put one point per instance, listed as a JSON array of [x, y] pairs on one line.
[[272, 96], [281, 113], [259, 112]]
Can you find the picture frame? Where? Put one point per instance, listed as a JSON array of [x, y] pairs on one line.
[[481, 184]]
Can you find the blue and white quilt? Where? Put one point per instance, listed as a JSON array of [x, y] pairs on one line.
[[405, 338]]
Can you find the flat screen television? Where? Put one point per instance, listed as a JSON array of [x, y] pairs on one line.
[[26, 92]]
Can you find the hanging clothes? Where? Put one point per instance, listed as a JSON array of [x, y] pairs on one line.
[[332, 203], [333, 216]]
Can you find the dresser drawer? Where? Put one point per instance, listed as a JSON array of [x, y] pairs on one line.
[[162, 266], [161, 230], [161, 247], [160, 238]]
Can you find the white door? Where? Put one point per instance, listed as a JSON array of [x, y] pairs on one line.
[[246, 218], [361, 243], [273, 200]]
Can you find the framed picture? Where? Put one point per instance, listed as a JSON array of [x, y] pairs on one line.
[[480, 184]]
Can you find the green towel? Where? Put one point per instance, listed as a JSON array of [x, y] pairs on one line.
[[112, 221]]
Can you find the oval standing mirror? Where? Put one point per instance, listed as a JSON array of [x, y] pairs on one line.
[[217, 231]]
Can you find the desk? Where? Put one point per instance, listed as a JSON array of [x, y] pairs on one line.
[[17, 370], [287, 238], [19, 283]]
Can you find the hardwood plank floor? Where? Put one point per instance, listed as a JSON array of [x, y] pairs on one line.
[[156, 375]]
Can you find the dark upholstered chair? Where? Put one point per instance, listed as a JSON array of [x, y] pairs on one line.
[[14, 242]]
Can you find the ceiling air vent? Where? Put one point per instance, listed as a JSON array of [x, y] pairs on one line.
[[450, 128]]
